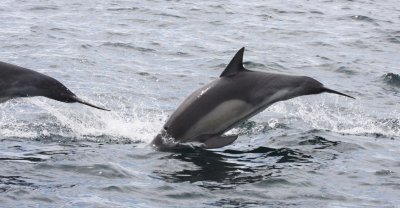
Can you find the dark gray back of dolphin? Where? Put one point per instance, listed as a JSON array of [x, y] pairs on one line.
[[235, 96], [235, 66], [16, 81]]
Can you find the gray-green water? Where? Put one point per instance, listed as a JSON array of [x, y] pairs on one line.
[[142, 58]]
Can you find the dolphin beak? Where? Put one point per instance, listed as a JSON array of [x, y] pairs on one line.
[[336, 92], [78, 100]]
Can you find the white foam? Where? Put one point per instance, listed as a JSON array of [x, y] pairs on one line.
[[342, 117], [43, 118], [79, 121]]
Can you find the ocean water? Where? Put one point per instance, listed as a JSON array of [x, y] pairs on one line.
[[142, 58]]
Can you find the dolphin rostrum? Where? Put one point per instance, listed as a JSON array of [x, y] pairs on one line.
[[237, 95], [17, 81]]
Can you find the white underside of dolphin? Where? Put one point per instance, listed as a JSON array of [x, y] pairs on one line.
[[234, 97]]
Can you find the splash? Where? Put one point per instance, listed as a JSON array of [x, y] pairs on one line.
[[47, 119], [341, 117], [40, 118], [322, 114]]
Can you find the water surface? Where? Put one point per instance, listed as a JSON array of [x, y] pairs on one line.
[[141, 59]]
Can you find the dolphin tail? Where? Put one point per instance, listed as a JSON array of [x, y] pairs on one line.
[[78, 100], [336, 92]]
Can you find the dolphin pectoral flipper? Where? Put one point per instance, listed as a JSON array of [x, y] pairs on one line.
[[219, 141]]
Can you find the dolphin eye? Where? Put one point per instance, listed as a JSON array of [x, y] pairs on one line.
[[165, 127]]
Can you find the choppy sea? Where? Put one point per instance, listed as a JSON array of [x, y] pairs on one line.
[[142, 58]]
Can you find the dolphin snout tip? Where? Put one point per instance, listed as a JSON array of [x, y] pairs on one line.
[[78, 100], [336, 92]]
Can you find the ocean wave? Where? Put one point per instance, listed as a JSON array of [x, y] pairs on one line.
[[392, 79]]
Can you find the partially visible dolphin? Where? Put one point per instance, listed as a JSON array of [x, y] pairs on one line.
[[17, 81], [237, 95]]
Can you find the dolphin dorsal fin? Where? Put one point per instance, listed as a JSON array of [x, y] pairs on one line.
[[235, 66]]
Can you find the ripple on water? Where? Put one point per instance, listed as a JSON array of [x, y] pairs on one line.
[[394, 39], [393, 36], [319, 142], [229, 168], [274, 182], [384, 172], [171, 15], [121, 189], [41, 8], [283, 155], [362, 18], [211, 170], [14, 180], [123, 9], [346, 70], [239, 202], [23, 159], [102, 170], [250, 64], [127, 46]]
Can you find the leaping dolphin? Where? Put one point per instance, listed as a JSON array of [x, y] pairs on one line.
[[237, 95], [16, 81]]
